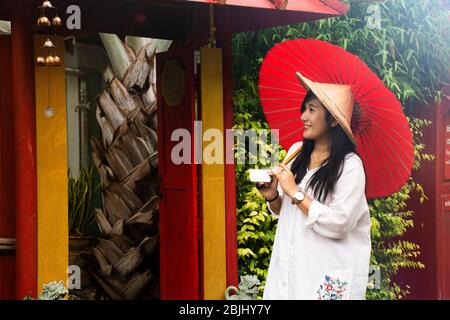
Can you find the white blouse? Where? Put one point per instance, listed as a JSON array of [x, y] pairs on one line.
[[326, 254]]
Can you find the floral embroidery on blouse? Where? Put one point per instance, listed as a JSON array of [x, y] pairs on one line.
[[332, 289]]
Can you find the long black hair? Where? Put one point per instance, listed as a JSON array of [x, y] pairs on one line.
[[324, 179]]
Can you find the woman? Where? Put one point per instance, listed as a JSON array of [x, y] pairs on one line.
[[322, 243]]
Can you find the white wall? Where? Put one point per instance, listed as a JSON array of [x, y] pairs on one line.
[[73, 127], [84, 59]]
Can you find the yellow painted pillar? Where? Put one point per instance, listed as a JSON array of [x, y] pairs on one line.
[[213, 174], [51, 142]]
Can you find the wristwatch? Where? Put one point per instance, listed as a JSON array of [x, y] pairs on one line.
[[298, 197]]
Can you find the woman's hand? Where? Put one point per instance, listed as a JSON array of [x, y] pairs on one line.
[[270, 190], [286, 179]]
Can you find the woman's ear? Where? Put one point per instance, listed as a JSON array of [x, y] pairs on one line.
[[334, 123]]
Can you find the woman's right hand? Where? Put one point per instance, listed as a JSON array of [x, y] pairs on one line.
[[271, 190]]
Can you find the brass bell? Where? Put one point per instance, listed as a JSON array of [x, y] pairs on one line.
[[49, 61], [56, 60], [43, 21], [40, 61], [48, 44], [47, 4], [57, 21]]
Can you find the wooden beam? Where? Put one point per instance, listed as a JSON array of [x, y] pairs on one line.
[[279, 4], [51, 141], [337, 5], [213, 181]]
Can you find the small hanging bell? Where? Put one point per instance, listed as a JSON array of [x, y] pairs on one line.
[[48, 44], [40, 61], [43, 21], [56, 21], [46, 4], [56, 61], [49, 61]]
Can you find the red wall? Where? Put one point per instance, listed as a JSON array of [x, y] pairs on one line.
[[431, 219], [7, 205]]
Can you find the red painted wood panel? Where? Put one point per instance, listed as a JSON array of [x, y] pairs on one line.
[[179, 252], [431, 221], [7, 206]]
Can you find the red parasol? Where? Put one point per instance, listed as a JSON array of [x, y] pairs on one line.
[[382, 133]]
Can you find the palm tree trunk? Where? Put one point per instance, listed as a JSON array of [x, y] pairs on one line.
[[125, 261]]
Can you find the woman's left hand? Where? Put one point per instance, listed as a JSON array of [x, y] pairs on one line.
[[285, 179]]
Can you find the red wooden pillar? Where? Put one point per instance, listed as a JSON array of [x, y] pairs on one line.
[[25, 147], [178, 206], [224, 41], [7, 209]]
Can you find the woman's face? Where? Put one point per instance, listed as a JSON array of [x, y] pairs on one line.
[[314, 120]]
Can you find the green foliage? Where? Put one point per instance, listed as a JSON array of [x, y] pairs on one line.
[[411, 55], [81, 193], [256, 227]]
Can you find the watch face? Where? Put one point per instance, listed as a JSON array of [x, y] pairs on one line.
[[299, 196]]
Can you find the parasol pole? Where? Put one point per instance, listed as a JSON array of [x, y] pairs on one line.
[[292, 156]]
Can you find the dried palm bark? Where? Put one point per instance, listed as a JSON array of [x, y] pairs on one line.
[[122, 262]]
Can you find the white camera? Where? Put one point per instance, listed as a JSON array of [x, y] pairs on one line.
[[260, 175]]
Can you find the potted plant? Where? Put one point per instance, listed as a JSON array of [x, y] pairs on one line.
[[51, 291], [81, 194], [248, 289], [81, 212]]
